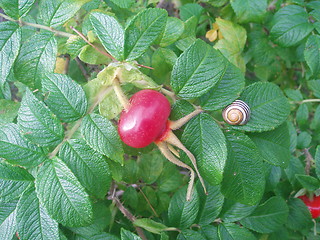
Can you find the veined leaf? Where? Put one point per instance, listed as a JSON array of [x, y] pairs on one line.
[[16, 150], [299, 215], [89, 167], [233, 211], [269, 107], [142, 31], [56, 12], [268, 217], [197, 70], [274, 145], [189, 10], [110, 33], [62, 194], [173, 30], [102, 136], [7, 219], [16, 8], [123, 3], [37, 122], [10, 38], [290, 26], [243, 179], [312, 54], [37, 56], [227, 89], [204, 138], [182, 213], [127, 235], [33, 221], [234, 231], [12, 189], [150, 225], [317, 160], [64, 97], [189, 234], [210, 205], [9, 172], [249, 11]]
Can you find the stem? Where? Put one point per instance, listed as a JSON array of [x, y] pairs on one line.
[[309, 100], [92, 45], [35, 25], [120, 94], [173, 140], [149, 203], [169, 93], [309, 160], [174, 125], [166, 152]]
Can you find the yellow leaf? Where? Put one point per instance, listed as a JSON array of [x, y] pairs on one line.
[[60, 65], [212, 35]]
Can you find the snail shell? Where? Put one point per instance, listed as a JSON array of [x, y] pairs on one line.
[[237, 113]]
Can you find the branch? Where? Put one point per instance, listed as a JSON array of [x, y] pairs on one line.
[[35, 25]]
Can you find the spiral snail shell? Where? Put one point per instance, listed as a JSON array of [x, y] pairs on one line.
[[237, 113]]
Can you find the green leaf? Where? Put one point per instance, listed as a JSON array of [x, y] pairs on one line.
[[102, 136], [16, 8], [268, 217], [7, 219], [110, 33], [249, 11], [170, 179], [188, 234], [142, 31], [151, 166], [74, 46], [33, 221], [37, 56], [162, 62], [12, 189], [173, 30], [317, 161], [299, 215], [64, 97], [37, 122], [123, 3], [10, 39], [312, 54], [232, 43], [295, 167], [56, 12], [210, 232], [204, 138], [5, 91], [269, 107], [304, 140], [8, 110], [243, 179], [62, 194], [210, 205], [294, 94], [314, 86], [190, 9], [315, 123], [308, 182], [9, 172], [16, 150], [227, 89], [150, 225], [197, 70], [127, 235], [234, 211], [290, 26], [90, 168], [274, 145], [183, 213], [302, 116], [230, 231]]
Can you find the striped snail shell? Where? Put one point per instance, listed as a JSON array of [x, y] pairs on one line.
[[237, 113]]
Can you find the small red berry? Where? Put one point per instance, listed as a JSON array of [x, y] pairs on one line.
[[145, 121], [313, 205]]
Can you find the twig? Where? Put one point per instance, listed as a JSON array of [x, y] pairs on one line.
[[149, 203], [35, 25], [309, 100], [66, 66], [92, 45], [124, 211], [120, 94], [82, 69]]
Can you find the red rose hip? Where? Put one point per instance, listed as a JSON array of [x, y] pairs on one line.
[[313, 205], [146, 119]]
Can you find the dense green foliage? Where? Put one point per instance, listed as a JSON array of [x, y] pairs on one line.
[[64, 172]]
